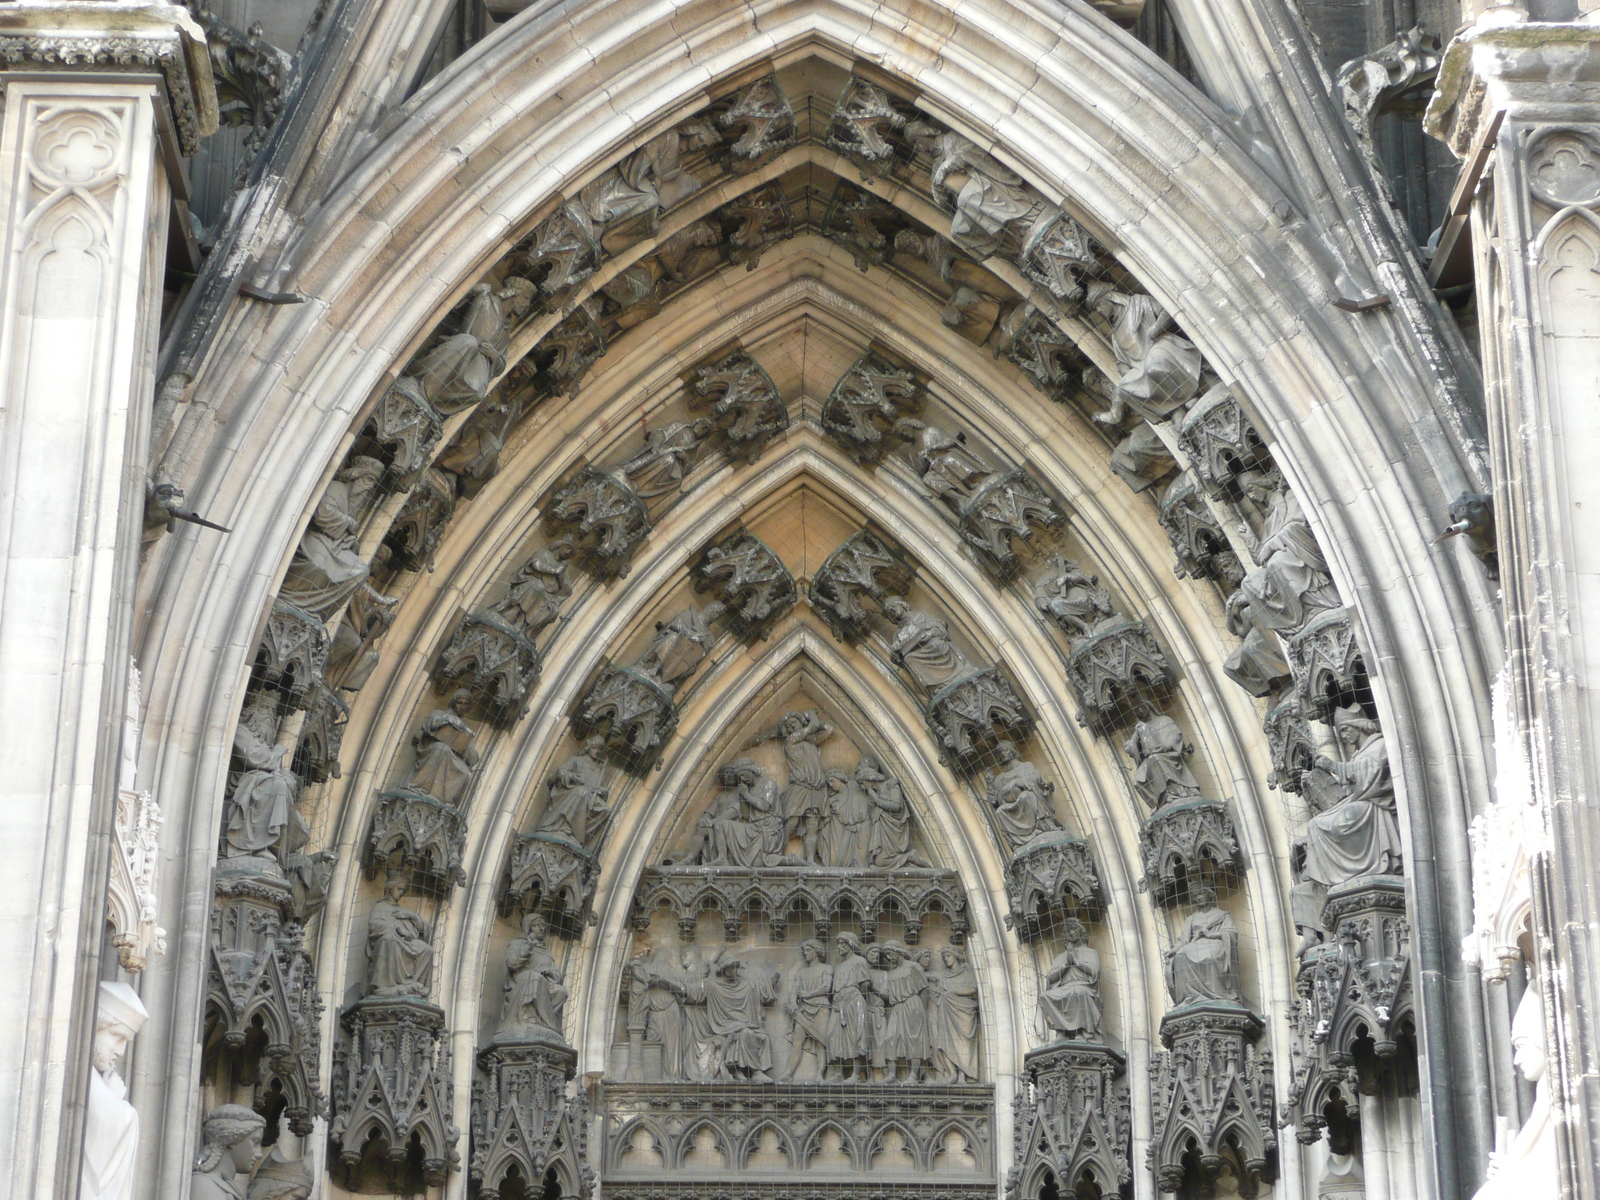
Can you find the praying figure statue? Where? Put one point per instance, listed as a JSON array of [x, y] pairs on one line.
[[446, 757], [808, 1008], [536, 991], [1020, 797], [230, 1144], [1070, 1003], [399, 952], [680, 645], [1360, 835], [1204, 965], [846, 823], [1160, 774]]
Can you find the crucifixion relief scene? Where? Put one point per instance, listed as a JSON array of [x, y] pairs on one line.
[[799, 600]]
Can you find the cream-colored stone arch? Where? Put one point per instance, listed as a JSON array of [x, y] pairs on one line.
[[1081, 111]]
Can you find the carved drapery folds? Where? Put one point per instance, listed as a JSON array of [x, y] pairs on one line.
[[1353, 1001], [1211, 1091], [1072, 1126], [418, 825], [869, 400], [752, 583], [526, 1129]]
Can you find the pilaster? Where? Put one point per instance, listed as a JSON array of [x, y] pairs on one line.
[[91, 91]]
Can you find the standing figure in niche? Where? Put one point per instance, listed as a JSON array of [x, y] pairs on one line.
[[1019, 796], [327, 568], [578, 795], [922, 645], [953, 1017], [399, 954], [458, 371], [1528, 1167], [808, 1009], [667, 457], [230, 1144], [535, 597], [260, 818], [680, 645], [846, 824], [734, 1013], [1204, 965], [850, 1028], [536, 991], [802, 734], [109, 1165], [889, 843], [446, 757], [1070, 1002], [1160, 774], [901, 983], [1361, 834]]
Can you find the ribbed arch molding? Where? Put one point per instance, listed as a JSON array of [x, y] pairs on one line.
[[483, 153]]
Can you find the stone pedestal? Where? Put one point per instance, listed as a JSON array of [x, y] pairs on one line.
[[524, 1124], [100, 100], [1072, 1122]]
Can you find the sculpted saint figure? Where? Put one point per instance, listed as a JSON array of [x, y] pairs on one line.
[[260, 817], [399, 954], [846, 825], [889, 841], [657, 991], [537, 592], [458, 371], [536, 991], [953, 1017], [667, 457], [1160, 774], [900, 982], [1360, 835], [230, 1144], [1070, 1002], [1528, 1166], [1291, 582], [445, 754], [1161, 368], [742, 827], [803, 797], [578, 795], [1071, 598], [922, 645], [986, 195], [327, 568], [850, 1040], [1204, 965], [1257, 665], [680, 646], [110, 1123], [951, 471], [1020, 797], [808, 1009], [734, 1013]]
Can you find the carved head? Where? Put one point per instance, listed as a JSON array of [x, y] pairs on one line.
[[394, 889], [728, 968], [119, 1015], [536, 928], [868, 771], [595, 747], [1202, 895], [1527, 1035], [812, 951], [847, 944], [891, 955], [747, 770], [896, 609], [838, 780], [1006, 752], [282, 1179], [518, 293], [953, 957], [1074, 933], [230, 1131], [460, 701], [728, 775]]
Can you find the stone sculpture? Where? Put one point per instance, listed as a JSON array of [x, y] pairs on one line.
[[680, 645], [446, 757], [110, 1123], [744, 402], [399, 952], [862, 123], [458, 371], [1160, 774], [1161, 368], [1257, 664], [762, 111], [889, 838], [535, 991], [750, 580], [281, 1178], [851, 1039], [1528, 1167], [1291, 583], [985, 196], [1204, 965], [1072, 1126], [261, 828], [953, 1018], [806, 793], [901, 1040], [922, 645], [668, 455], [734, 1004], [846, 839], [353, 652], [230, 1144], [863, 565], [743, 826], [1360, 835], [1069, 1005], [327, 568], [867, 402], [577, 796], [808, 1005], [599, 510], [1073, 599], [534, 598], [660, 1012], [1020, 797]]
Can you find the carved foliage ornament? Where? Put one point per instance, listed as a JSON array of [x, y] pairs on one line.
[[867, 402]]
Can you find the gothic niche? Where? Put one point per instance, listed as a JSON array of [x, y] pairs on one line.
[[838, 963], [393, 1094], [969, 706], [869, 400], [752, 583], [555, 868]]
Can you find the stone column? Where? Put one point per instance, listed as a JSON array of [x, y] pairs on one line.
[[100, 100], [1519, 102]]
